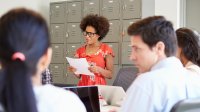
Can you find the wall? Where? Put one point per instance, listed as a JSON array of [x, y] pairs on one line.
[[170, 9], [148, 8], [192, 14], [41, 6], [57, 0]]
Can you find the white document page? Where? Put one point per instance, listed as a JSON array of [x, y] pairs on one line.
[[81, 65]]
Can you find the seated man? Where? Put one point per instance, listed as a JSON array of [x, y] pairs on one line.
[[47, 77], [163, 80]]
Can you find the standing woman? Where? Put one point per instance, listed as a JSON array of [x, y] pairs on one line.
[[189, 49], [25, 52], [99, 55], [47, 77]]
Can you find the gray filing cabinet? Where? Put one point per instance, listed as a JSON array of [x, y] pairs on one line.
[[91, 7], [70, 78], [71, 49], [66, 35], [126, 51], [114, 32], [131, 9], [58, 53], [111, 9], [57, 32], [57, 12], [73, 34], [58, 71], [125, 25], [74, 10], [115, 47]]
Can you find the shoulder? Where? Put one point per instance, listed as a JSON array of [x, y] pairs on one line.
[[105, 46], [82, 48], [140, 79], [52, 92], [193, 69], [159, 78], [55, 98], [107, 49], [163, 74], [80, 51]]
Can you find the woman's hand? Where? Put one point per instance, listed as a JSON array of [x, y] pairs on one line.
[[72, 69], [94, 69]]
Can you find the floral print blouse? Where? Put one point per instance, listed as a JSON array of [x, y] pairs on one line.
[[97, 59]]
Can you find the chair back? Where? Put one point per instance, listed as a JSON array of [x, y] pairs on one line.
[[125, 77], [187, 105]]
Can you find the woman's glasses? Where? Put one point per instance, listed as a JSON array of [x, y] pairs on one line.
[[90, 34]]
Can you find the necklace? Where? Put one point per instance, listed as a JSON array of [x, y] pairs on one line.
[[92, 50]]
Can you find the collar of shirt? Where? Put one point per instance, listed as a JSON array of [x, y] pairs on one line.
[[168, 62]]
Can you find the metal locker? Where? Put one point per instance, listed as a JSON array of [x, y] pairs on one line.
[[126, 24], [131, 9], [57, 12], [57, 33], [58, 53], [114, 32], [110, 81], [115, 47], [71, 78], [57, 71], [125, 53], [111, 9], [91, 7], [74, 34], [74, 10], [71, 49]]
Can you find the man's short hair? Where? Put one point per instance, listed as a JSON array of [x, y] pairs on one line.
[[154, 29]]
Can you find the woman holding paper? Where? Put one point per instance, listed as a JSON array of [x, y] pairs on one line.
[[99, 55]]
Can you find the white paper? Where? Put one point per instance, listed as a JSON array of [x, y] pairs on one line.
[[81, 65]]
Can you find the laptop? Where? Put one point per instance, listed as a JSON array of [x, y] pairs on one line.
[[88, 95], [114, 95]]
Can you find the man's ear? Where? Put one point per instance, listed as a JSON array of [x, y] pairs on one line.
[[160, 48], [45, 59]]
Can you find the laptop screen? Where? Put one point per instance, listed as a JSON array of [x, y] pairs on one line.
[[88, 95]]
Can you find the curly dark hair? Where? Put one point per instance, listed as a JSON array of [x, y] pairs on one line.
[[189, 41], [100, 24]]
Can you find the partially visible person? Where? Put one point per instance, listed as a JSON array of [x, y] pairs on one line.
[[189, 49], [99, 55], [163, 80], [46, 77], [25, 53]]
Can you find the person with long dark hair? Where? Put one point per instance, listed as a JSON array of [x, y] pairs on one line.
[[189, 49], [25, 53]]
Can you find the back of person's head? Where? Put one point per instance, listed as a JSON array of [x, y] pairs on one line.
[[24, 39], [100, 24], [188, 41], [154, 29]]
